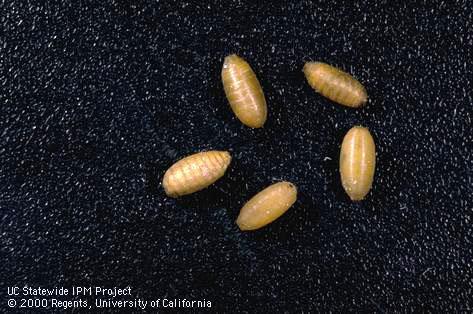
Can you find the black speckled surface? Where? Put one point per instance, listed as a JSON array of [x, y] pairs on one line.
[[98, 100]]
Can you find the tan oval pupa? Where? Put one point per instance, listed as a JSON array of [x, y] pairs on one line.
[[335, 84], [357, 162], [195, 172], [267, 206], [244, 92]]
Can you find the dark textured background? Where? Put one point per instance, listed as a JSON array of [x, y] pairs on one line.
[[98, 100]]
